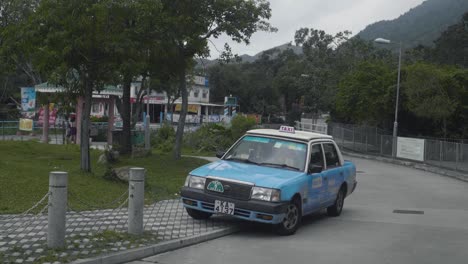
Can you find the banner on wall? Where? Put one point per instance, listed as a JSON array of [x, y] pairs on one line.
[[28, 99], [52, 115], [191, 108]]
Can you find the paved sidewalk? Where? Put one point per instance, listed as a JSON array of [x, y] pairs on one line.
[[93, 233]]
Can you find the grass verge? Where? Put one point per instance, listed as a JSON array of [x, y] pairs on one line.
[[25, 166]]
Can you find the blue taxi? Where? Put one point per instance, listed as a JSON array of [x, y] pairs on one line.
[[274, 177]]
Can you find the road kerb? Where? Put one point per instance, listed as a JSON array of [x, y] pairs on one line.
[[144, 252]]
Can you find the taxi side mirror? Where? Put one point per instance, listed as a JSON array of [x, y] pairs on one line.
[[220, 154], [315, 169]]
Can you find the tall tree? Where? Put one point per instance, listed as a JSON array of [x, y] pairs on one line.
[[191, 23], [135, 39], [75, 51], [366, 94], [434, 92], [319, 50]]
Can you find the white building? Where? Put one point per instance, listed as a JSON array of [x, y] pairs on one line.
[[199, 107]]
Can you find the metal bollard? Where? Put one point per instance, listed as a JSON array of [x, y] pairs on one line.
[[136, 196], [57, 210]]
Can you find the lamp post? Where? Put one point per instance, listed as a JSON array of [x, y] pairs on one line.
[[395, 124]]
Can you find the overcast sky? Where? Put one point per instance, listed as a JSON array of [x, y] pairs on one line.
[[329, 15]]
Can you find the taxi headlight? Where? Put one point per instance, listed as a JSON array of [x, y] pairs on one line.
[[195, 182], [265, 194]]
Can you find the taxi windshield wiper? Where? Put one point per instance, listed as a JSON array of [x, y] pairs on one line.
[[279, 165], [242, 160]]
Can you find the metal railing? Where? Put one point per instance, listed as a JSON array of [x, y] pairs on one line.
[[450, 154], [311, 127]]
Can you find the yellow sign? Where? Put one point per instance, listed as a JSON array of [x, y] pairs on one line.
[[191, 108], [26, 124]]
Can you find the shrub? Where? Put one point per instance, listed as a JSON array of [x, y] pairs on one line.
[[209, 137], [99, 119], [164, 138], [241, 124]]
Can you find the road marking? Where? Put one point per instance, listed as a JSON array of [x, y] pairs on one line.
[[398, 211]]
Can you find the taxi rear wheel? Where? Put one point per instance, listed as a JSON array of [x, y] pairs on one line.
[[291, 220], [337, 207], [196, 214]]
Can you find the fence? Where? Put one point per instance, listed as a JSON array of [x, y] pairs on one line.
[[311, 127], [450, 154], [63, 225]]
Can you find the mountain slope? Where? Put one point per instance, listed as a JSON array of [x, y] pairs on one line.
[[206, 63], [275, 50], [420, 25]]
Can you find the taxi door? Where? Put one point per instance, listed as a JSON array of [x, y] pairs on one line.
[[333, 172], [317, 184]]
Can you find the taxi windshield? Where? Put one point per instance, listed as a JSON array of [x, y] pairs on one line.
[[271, 152]]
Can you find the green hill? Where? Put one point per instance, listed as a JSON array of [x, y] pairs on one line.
[[420, 25]]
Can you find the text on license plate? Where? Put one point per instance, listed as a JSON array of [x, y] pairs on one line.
[[224, 207]]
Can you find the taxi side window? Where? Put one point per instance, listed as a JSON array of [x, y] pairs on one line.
[[331, 155], [316, 156]]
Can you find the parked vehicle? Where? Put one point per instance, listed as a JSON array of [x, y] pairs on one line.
[[274, 177]]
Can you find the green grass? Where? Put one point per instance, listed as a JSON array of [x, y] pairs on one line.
[[25, 166], [193, 152]]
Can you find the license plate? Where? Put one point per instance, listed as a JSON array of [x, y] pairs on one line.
[[224, 207]]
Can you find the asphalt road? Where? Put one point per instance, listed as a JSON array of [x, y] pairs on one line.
[[368, 231]]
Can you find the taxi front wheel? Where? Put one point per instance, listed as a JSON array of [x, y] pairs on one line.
[[337, 207], [196, 214], [291, 220]]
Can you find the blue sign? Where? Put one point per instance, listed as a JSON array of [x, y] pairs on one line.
[[28, 99]]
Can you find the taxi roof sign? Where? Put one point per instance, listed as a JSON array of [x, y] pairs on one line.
[[287, 129]]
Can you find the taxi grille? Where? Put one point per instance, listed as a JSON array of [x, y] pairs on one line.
[[231, 189]]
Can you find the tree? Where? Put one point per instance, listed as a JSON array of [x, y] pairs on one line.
[[190, 24], [433, 92], [451, 47], [74, 50], [366, 94], [17, 52], [319, 50], [135, 39]]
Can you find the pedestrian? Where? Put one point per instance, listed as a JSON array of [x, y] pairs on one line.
[[73, 129]]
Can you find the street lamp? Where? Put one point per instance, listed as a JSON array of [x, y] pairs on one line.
[[395, 124]]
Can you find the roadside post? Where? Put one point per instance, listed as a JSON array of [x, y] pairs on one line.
[[57, 209], [136, 196]]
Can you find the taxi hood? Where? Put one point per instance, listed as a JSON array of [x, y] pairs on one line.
[[262, 176]]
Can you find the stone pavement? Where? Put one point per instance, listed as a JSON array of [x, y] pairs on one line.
[[93, 233]]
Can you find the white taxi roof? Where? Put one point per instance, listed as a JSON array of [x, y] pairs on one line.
[[299, 135]]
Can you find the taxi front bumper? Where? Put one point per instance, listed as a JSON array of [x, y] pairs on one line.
[[252, 210]]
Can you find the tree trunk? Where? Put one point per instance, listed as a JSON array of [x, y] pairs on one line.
[[45, 124], [183, 114], [118, 104], [138, 105], [85, 125], [168, 108], [126, 119]]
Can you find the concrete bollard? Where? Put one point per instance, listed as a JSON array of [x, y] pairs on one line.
[[57, 209], [136, 197]]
